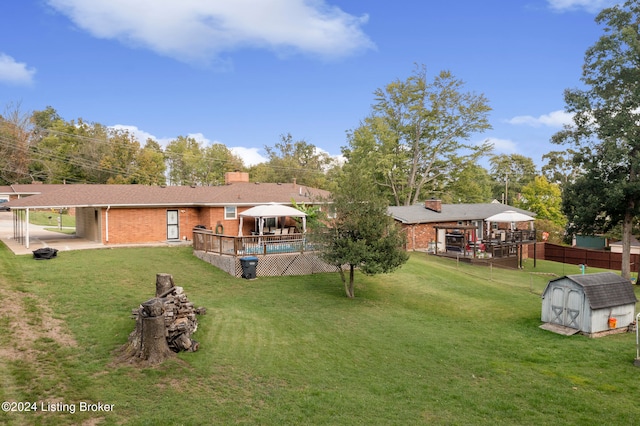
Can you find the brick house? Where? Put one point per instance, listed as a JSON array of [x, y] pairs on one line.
[[134, 214], [427, 225]]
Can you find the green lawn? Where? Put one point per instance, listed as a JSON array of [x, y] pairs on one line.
[[433, 343], [54, 219]]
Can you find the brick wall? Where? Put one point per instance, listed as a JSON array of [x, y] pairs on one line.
[[420, 235], [149, 225]]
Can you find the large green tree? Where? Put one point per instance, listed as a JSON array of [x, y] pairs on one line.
[[292, 159], [121, 160], [417, 133], [606, 130], [183, 155], [191, 163], [216, 160], [72, 152], [560, 167], [360, 234], [543, 198], [468, 183], [511, 173], [16, 133], [151, 164]]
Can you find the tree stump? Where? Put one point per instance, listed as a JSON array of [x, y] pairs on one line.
[[154, 340], [164, 284], [164, 325], [148, 342], [153, 308]]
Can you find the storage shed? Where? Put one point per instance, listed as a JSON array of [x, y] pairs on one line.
[[593, 304]]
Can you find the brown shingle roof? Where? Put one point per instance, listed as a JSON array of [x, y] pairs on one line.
[[147, 196], [28, 188]]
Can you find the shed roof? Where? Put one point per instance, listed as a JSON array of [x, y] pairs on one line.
[[418, 213], [249, 194], [603, 290]]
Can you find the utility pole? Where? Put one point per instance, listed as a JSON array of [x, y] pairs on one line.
[[506, 189]]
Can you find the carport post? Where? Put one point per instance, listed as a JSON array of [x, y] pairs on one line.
[[27, 230]]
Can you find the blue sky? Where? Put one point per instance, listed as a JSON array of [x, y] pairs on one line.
[[244, 72]]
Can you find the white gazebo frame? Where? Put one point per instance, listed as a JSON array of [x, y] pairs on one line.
[[271, 210]]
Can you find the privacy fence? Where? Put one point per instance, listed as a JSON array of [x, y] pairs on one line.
[[592, 258]]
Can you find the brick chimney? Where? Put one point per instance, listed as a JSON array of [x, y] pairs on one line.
[[233, 177], [434, 205]]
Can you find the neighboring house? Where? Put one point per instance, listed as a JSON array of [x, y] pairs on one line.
[[427, 224], [617, 246], [133, 214]]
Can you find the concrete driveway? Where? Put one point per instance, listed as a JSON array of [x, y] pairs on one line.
[[39, 238]]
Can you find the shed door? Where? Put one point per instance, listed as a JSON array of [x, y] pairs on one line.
[[557, 305], [573, 312], [566, 307], [173, 232]]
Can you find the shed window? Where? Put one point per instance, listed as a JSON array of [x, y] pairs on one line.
[[230, 212]]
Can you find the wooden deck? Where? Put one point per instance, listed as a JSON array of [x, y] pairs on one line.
[[503, 248], [277, 255], [251, 245]]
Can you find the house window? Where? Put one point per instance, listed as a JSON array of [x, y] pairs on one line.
[[230, 212]]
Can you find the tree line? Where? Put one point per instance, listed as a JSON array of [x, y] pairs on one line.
[[403, 167]]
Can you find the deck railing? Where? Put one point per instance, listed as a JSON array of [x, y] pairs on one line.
[[500, 244], [208, 241]]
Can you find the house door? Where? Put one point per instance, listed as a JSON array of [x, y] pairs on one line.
[[173, 231], [566, 307]]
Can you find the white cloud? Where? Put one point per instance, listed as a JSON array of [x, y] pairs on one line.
[[199, 137], [201, 30], [13, 72], [592, 6], [553, 119], [504, 146], [250, 156], [140, 135]]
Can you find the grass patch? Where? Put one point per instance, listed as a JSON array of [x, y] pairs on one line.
[[433, 343], [48, 218]]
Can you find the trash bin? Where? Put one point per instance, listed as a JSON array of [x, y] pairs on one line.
[[45, 253], [249, 264]]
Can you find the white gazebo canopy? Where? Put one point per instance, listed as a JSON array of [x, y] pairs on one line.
[[272, 210], [510, 216]]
